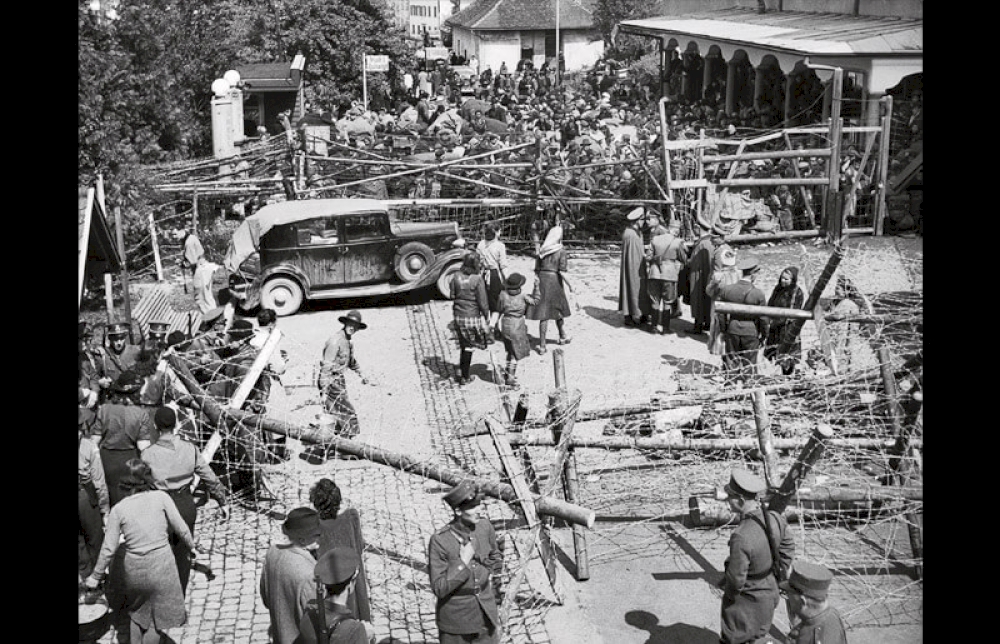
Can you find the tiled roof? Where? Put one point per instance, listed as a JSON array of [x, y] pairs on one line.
[[525, 14]]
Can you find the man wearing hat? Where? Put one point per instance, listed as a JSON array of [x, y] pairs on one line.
[[743, 332], [760, 549], [175, 462], [122, 429], [632, 300], [119, 356], [287, 581], [807, 588], [92, 377], [461, 558], [338, 356], [93, 502], [337, 573]]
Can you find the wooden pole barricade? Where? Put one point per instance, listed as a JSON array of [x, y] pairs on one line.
[[156, 248], [883, 163], [109, 297], [215, 412], [817, 291], [807, 458], [703, 444], [770, 311], [766, 439], [126, 299]]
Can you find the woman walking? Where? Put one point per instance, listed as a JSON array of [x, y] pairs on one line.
[[471, 311], [145, 518], [551, 301], [513, 304], [341, 527], [782, 345], [493, 257]]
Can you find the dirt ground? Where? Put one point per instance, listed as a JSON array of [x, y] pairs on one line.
[[662, 594]]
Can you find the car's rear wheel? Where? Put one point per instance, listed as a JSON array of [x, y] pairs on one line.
[[444, 279], [282, 294], [412, 259]]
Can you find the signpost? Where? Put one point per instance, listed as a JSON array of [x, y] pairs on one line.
[[371, 63]]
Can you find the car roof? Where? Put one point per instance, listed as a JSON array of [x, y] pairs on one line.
[[288, 212]]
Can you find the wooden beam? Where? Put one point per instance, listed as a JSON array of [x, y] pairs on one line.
[[811, 453], [703, 444], [775, 154], [765, 438], [773, 181], [756, 311]]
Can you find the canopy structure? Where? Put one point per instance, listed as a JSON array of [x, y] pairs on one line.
[[885, 49], [96, 249]]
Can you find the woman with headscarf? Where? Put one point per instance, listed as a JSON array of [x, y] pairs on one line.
[[782, 344], [146, 576], [551, 299], [471, 310], [724, 274]]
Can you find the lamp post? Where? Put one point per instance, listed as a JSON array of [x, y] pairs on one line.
[[223, 141]]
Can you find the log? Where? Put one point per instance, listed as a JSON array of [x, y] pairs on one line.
[[547, 506], [704, 512], [668, 419], [701, 444], [770, 311], [793, 234], [811, 453], [765, 438]]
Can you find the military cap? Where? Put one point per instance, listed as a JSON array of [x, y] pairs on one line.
[[745, 483], [463, 496], [337, 565], [129, 382], [118, 328], [301, 523], [810, 579], [209, 318], [636, 213], [748, 266], [158, 329]]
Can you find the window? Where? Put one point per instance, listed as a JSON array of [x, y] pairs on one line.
[[364, 227], [321, 231]]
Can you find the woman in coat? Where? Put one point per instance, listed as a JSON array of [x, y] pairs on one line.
[[551, 298], [471, 310], [782, 345], [151, 586], [725, 273], [342, 528]]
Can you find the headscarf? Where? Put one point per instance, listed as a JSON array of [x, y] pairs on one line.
[[552, 243], [789, 297], [717, 258]]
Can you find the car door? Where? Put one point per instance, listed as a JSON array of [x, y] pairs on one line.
[[369, 248], [321, 251]]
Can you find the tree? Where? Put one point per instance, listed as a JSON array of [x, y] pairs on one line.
[[608, 13]]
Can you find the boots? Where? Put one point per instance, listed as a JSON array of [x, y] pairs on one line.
[[464, 365], [666, 317], [509, 374], [658, 322]]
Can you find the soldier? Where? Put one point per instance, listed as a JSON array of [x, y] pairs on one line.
[[92, 377], [337, 572], [667, 257], [807, 589], [632, 301], [743, 333], [760, 553], [119, 356], [174, 463], [461, 558]]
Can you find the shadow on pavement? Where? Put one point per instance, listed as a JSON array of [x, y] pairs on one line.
[[611, 317], [677, 633], [690, 367]]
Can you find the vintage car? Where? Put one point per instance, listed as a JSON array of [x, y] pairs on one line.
[[317, 249]]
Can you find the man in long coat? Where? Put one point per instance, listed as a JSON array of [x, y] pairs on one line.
[[632, 300], [286, 582], [699, 275]]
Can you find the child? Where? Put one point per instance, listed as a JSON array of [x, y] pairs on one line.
[[512, 304]]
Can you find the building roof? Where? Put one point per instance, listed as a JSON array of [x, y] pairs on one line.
[[96, 249], [270, 77], [806, 33], [525, 14]]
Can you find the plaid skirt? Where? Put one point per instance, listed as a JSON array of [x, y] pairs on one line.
[[471, 333]]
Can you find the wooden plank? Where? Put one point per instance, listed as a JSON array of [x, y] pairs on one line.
[[246, 386], [689, 183]]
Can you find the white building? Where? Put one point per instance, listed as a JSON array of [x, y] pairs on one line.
[[425, 16]]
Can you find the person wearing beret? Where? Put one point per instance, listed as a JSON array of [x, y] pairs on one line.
[[122, 429], [632, 301], [93, 501], [287, 581], [338, 357], [175, 462], [461, 558], [807, 588], [512, 304], [119, 356], [750, 584], [337, 571], [743, 332]]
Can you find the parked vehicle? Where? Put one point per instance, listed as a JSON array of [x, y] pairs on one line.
[[467, 78], [317, 249]]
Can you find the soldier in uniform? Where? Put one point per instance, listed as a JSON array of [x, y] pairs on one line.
[[807, 589], [175, 462], [337, 571], [119, 356], [461, 558], [743, 333], [92, 376], [760, 549]]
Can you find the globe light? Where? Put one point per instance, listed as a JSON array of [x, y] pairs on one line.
[[232, 77], [220, 87]]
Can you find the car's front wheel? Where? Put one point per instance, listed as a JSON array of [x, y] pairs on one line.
[[282, 294], [412, 259], [444, 279]]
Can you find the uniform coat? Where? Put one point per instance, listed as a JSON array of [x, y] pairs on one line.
[[286, 585], [743, 332], [750, 591], [825, 628], [465, 599], [699, 274], [632, 301], [347, 629]]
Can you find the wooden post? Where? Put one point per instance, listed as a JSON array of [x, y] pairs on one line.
[[807, 457], [764, 436], [836, 127], [109, 297], [127, 301], [156, 248], [883, 163], [194, 211]]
